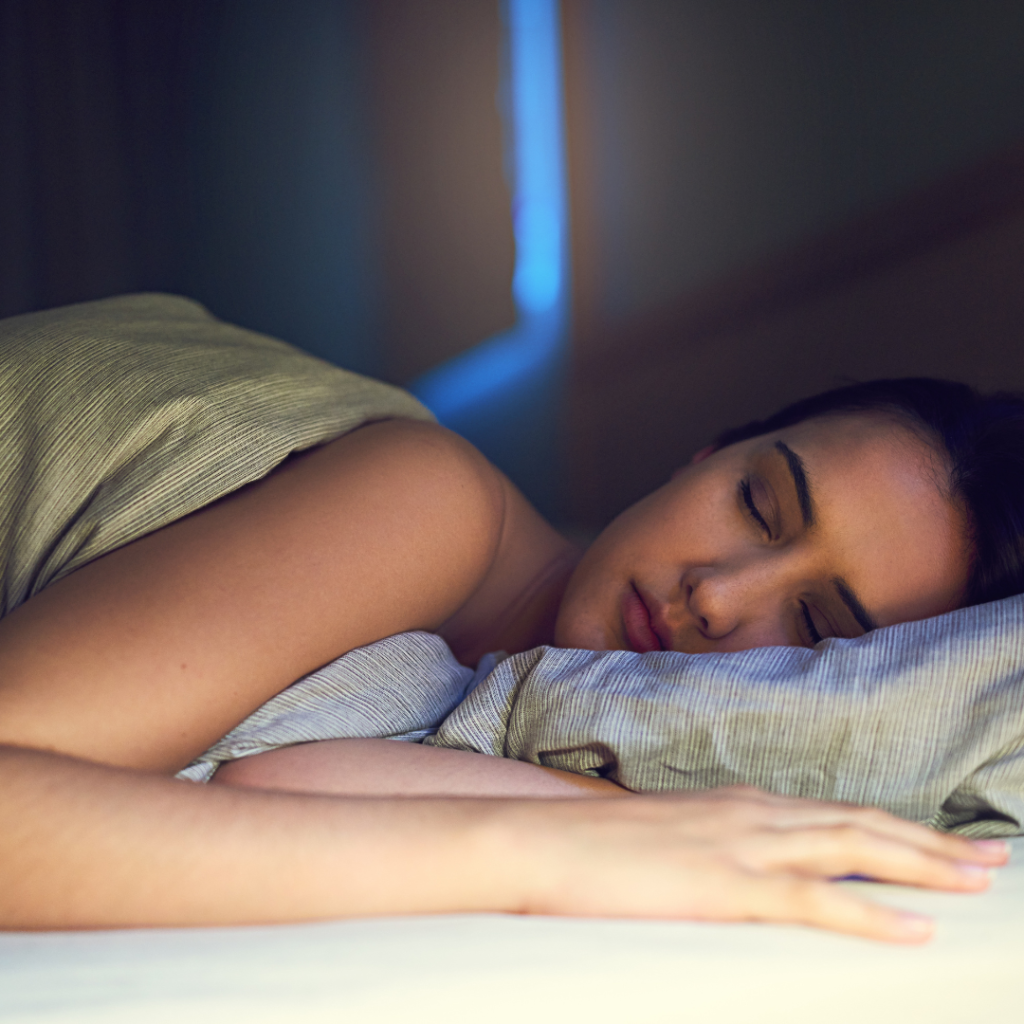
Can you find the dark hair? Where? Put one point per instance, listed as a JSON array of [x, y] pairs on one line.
[[982, 439]]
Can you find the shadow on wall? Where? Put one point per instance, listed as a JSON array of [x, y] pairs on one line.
[[285, 206], [97, 106], [331, 171]]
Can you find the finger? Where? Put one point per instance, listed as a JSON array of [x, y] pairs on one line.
[[795, 812], [941, 844], [826, 905], [996, 849], [848, 850]]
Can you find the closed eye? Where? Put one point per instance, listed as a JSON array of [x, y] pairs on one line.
[[812, 631], [752, 510]]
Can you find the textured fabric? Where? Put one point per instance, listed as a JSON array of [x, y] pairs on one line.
[[925, 719], [402, 688], [120, 416]]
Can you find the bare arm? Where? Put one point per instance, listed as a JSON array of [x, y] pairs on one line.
[[391, 768], [146, 656], [86, 846]]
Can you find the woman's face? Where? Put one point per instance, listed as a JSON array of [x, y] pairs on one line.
[[827, 528]]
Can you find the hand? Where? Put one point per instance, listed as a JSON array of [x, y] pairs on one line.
[[739, 854]]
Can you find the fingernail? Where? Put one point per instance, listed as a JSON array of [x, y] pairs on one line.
[[973, 870], [992, 846], [915, 926]]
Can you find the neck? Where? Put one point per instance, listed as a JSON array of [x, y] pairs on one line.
[[530, 621], [513, 620], [516, 603]]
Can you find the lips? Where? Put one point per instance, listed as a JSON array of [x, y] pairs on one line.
[[636, 622]]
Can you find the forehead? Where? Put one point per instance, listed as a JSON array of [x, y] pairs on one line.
[[884, 519], [869, 443]]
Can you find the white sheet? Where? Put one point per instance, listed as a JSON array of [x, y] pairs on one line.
[[503, 969]]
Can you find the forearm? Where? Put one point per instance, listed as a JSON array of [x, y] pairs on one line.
[[85, 846], [390, 768]]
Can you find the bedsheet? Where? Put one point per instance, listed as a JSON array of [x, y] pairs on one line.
[[499, 969]]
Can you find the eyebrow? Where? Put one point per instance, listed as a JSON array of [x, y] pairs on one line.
[[803, 494], [851, 601], [803, 490]]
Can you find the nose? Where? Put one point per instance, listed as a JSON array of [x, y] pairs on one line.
[[729, 601], [712, 603]]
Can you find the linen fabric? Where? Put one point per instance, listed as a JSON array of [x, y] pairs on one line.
[[924, 719], [121, 416], [402, 687]]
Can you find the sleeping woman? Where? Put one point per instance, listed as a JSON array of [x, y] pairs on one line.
[[837, 515], [865, 507]]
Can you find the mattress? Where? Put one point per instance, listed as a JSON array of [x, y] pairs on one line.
[[498, 968]]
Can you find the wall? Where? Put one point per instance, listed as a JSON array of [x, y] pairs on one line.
[[723, 153], [442, 194], [96, 103], [329, 171], [711, 133], [285, 209]]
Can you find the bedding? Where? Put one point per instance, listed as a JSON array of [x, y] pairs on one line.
[[924, 719], [402, 687], [120, 416]]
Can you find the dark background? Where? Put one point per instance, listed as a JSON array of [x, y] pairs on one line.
[[768, 196], [324, 170]]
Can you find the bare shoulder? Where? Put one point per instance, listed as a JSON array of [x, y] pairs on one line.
[[434, 488], [147, 655], [422, 459], [423, 481]]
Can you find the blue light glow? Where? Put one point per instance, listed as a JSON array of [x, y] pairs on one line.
[[535, 70], [539, 221]]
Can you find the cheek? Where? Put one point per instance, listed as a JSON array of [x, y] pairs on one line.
[[586, 578], [917, 575], [624, 540], [669, 527], [588, 616], [687, 522]]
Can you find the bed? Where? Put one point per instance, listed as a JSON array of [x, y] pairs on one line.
[[955, 758]]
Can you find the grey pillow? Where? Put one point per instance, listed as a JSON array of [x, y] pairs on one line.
[[925, 719]]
